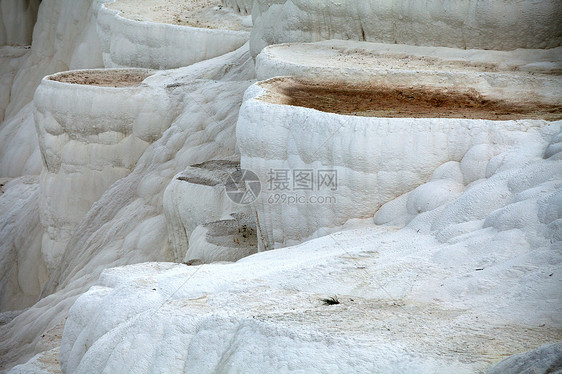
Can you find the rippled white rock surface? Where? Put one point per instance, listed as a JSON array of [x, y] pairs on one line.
[[478, 270], [374, 160], [93, 126], [127, 223], [196, 197], [489, 24], [469, 256], [547, 358], [23, 271]]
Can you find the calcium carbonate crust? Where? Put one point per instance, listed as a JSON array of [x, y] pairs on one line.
[[476, 263], [466, 24], [477, 270], [90, 136], [74, 45], [193, 198], [376, 159], [129, 43]]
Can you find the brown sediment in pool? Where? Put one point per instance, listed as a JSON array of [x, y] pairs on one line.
[[395, 102], [103, 78]]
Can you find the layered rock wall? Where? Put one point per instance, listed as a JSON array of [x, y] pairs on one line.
[[489, 24]]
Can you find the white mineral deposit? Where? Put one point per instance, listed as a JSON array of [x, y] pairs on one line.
[[280, 186]]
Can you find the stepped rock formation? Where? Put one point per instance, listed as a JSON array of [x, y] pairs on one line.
[[353, 122], [427, 142], [93, 126]]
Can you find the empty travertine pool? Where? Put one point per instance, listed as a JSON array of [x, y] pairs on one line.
[[186, 215], [168, 35], [487, 84], [211, 14], [224, 240], [104, 77]]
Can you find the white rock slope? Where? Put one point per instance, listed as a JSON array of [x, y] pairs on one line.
[[23, 272], [459, 268], [127, 224], [467, 282]]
